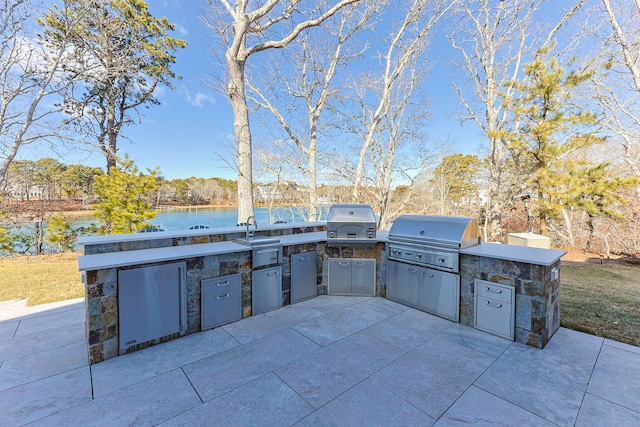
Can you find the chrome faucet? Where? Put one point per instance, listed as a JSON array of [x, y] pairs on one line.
[[250, 233]]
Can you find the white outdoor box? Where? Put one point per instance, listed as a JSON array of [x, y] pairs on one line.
[[531, 240]]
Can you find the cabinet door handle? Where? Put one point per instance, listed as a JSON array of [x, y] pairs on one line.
[[223, 284], [221, 297], [343, 264], [488, 289], [272, 273], [305, 258], [494, 306]]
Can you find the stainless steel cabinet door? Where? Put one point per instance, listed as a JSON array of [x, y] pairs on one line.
[[363, 277], [403, 282], [440, 294], [151, 303], [266, 294], [304, 276], [339, 276]]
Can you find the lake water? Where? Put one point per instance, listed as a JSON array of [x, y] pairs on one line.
[[182, 218], [175, 219]]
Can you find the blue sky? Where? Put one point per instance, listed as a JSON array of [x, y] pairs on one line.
[[187, 133]]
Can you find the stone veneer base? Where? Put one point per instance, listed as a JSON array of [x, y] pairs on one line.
[[537, 291]]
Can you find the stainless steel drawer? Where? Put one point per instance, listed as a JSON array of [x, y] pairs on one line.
[[221, 308], [494, 291], [220, 284], [494, 309], [266, 256], [220, 301]]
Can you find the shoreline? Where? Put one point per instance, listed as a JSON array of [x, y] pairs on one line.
[[166, 208]]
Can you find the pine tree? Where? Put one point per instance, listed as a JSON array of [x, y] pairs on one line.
[[123, 193], [59, 232], [594, 190], [121, 54], [546, 130]]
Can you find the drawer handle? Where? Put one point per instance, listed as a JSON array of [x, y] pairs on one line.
[[494, 306], [221, 297], [305, 258], [488, 289], [223, 284], [272, 273]]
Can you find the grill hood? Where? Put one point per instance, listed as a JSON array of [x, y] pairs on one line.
[[351, 224], [440, 231]]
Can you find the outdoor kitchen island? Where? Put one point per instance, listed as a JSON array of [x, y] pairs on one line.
[[189, 269], [531, 274], [196, 257]]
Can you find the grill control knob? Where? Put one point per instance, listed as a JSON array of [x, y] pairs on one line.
[[441, 260], [419, 256], [332, 234]]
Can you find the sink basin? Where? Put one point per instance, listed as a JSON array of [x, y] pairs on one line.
[[257, 241]]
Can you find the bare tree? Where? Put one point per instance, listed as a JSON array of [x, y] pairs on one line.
[[406, 44], [307, 86], [273, 165], [246, 32], [617, 77], [31, 77], [386, 111]]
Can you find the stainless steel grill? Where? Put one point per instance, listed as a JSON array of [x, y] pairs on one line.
[[432, 241], [351, 225], [423, 261]]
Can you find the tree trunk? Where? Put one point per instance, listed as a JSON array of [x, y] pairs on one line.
[[567, 224], [592, 230], [543, 215], [313, 183], [236, 92], [495, 183]]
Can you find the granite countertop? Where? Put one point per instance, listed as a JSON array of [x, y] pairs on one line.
[[146, 256], [117, 238], [537, 256]]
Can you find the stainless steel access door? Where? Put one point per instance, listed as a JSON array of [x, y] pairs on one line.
[[403, 282], [304, 276], [440, 293], [266, 290], [152, 303]]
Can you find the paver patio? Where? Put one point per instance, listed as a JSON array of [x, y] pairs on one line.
[[325, 361]]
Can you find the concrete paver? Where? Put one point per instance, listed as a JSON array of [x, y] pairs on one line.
[[324, 361]]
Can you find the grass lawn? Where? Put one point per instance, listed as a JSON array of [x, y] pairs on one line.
[[40, 279], [602, 300]]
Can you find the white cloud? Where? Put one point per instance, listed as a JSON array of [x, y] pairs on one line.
[[181, 30], [199, 99]]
